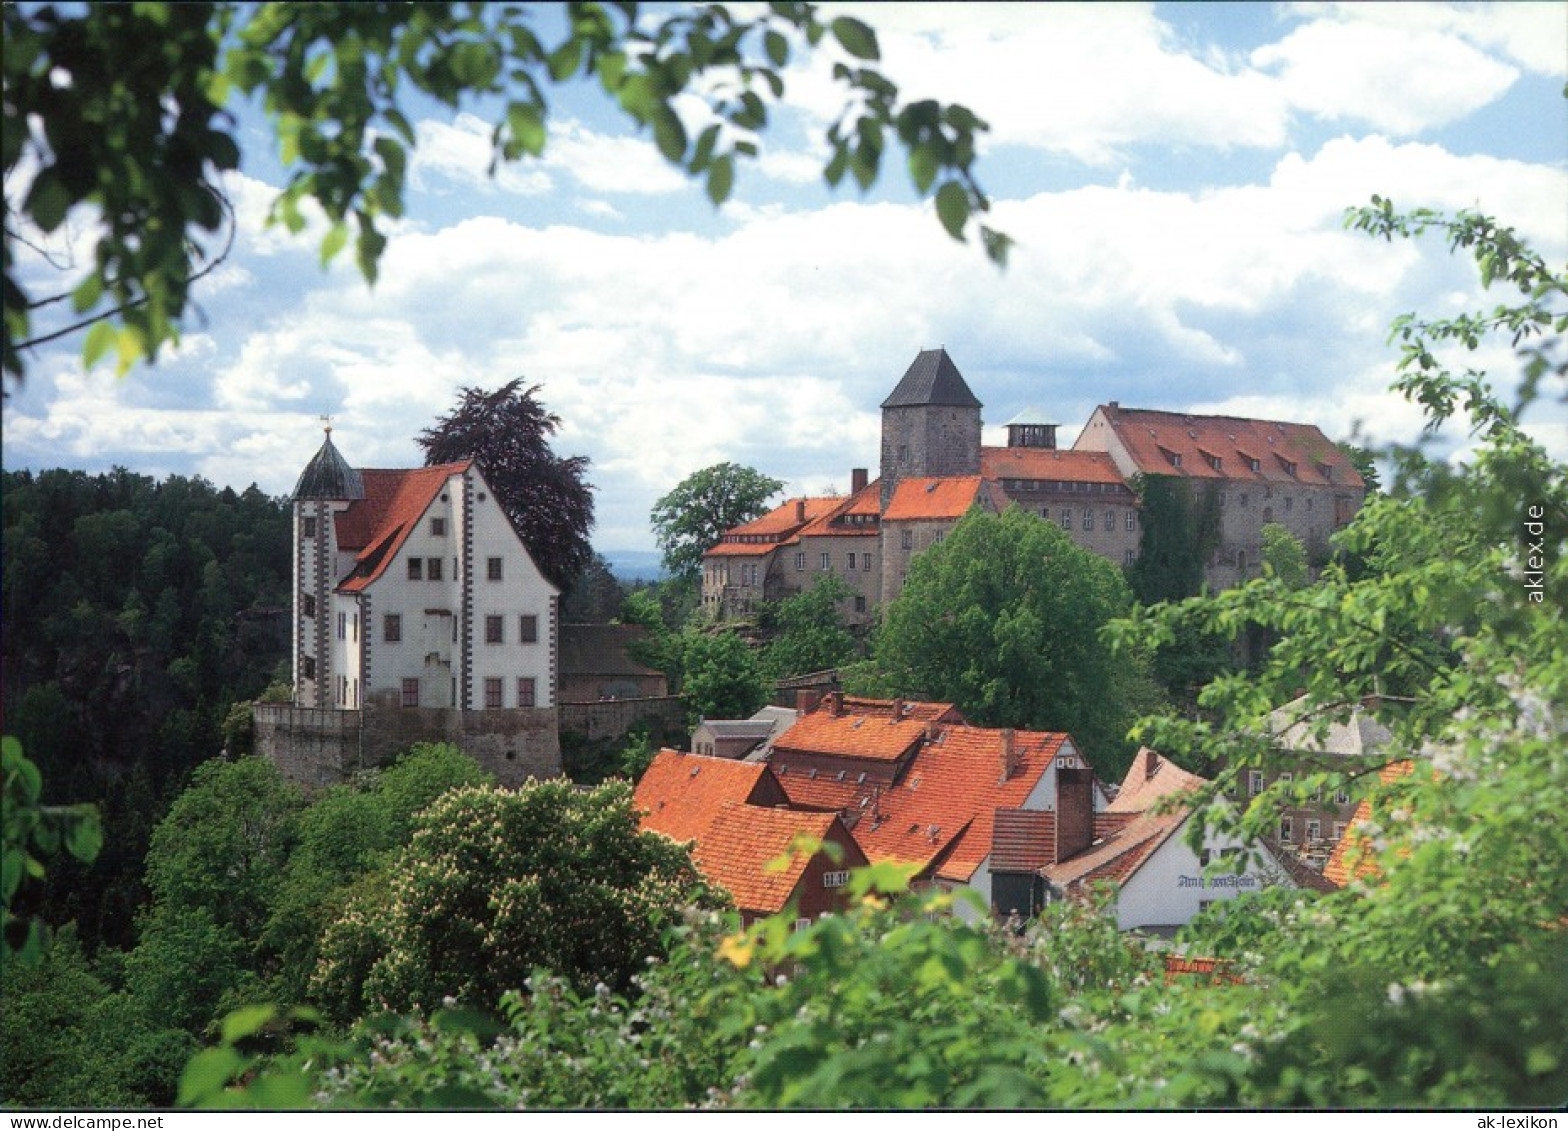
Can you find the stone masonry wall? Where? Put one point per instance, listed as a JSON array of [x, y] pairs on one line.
[[318, 748]]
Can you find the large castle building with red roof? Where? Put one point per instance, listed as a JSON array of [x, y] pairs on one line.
[[935, 469], [418, 615]]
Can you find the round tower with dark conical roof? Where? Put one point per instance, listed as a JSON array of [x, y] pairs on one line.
[[326, 486], [930, 424]]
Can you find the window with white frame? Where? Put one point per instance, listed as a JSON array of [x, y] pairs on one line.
[[1110, 520], [849, 561], [834, 879], [827, 560], [1254, 782], [1287, 829], [1067, 518], [800, 560], [1132, 520], [1314, 829]]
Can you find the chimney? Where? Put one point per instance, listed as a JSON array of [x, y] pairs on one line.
[[1074, 811], [898, 710], [806, 701], [1009, 753], [800, 510], [933, 730], [857, 480], [834, 701]]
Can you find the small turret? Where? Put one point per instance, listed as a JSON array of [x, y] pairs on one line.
[[328, 476]]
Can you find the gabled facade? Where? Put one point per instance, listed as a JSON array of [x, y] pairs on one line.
[[418, 614], [412, 589], [1139, 848]]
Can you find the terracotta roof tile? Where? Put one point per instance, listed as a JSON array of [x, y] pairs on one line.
[[1354, 857], [948, 797], [1149, 778], [740, 843], [867, 502], [1119, 855], [851, 736], [784, 519], [949, 497], [376, 526], [1216, 971], [678, 794], [1022, 840], [1267, 451], [1064, 465]]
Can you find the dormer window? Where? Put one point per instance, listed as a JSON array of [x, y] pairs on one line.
[[1214, 461]]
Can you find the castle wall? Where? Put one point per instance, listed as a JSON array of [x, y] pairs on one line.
[[318, 748], [615, 718]]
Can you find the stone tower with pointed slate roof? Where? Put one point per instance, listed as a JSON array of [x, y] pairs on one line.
[[326, 487], [930, 424]]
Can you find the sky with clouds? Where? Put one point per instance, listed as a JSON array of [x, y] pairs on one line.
[[1175, 177]]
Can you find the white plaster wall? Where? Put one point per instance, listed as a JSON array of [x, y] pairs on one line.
[[1155, 895], [521, 591]]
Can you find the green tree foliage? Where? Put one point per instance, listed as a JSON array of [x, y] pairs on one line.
[[690, 518], [1179, 529], [808, 629], [496, 883], [349, 832], [338, 83], [1003, 618], [1283, 556], [723, 676], [136, 612], [546, 496], [31, 827], [1460, 608]]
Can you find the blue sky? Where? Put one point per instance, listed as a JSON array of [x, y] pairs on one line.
[[1175, 176]]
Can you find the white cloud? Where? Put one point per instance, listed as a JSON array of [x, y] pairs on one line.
[[460, 154], [1399, 79]]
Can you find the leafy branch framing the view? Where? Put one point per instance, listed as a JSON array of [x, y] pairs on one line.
[[122, 110]]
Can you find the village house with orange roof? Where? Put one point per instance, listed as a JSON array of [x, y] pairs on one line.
[[418, 615], [744, 837], [934, 469], [1016, 817]]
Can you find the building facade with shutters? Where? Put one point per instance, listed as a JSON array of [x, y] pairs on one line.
[[418, 614]]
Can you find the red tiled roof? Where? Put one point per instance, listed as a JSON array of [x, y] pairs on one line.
[[679, 794], [860, 736], [947, 799], [785, 518], [824, 791], [734, 851], [1049, 464], [1120, 854], [1022, 840], [934, 498], [1152, 437], [1354, 857], [866, 501], [741, 550], [1213, 970], [1149, 778], [377, 525]]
